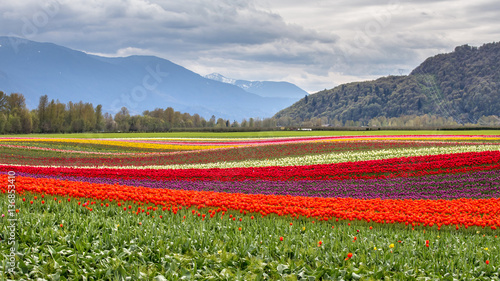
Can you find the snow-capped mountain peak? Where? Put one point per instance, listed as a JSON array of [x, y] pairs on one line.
[[220, 78]]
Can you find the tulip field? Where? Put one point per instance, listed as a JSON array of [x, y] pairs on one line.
[[309, 207]]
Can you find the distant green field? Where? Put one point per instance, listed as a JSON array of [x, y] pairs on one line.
[[264, 134]]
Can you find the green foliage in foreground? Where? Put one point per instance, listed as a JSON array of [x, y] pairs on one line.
[[109, 243], [263, 134]]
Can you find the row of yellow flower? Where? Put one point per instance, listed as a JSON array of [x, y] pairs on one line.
[[123, 143]]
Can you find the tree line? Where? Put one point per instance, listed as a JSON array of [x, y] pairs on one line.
[[52, 116]]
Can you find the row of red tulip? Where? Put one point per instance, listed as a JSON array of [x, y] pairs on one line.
[[394, 167]]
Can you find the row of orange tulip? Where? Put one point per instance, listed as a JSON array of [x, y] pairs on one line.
[[460, 212]]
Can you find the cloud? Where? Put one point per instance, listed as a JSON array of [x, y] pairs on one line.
[[316, 44], [196, 25]]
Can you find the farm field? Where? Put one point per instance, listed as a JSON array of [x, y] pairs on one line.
[[235, 206]]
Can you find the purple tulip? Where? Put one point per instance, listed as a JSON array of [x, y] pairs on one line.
[[444, 186]]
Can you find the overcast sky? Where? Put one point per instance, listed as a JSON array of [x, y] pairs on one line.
[[314, 44]]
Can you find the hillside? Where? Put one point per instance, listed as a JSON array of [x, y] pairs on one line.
[[137, 82], [463, 85]]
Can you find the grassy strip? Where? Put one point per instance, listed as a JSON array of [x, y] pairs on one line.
[[63, 240], [265, 134]]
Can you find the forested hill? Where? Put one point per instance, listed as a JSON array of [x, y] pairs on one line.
[[463, 85]]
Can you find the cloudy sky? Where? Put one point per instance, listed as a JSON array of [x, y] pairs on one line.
[[315, 44]]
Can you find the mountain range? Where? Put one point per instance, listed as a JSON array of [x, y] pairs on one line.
[[463, 85], [137, 82], [270, 89]]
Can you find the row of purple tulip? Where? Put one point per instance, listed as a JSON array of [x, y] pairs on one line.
[[446, 186]]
